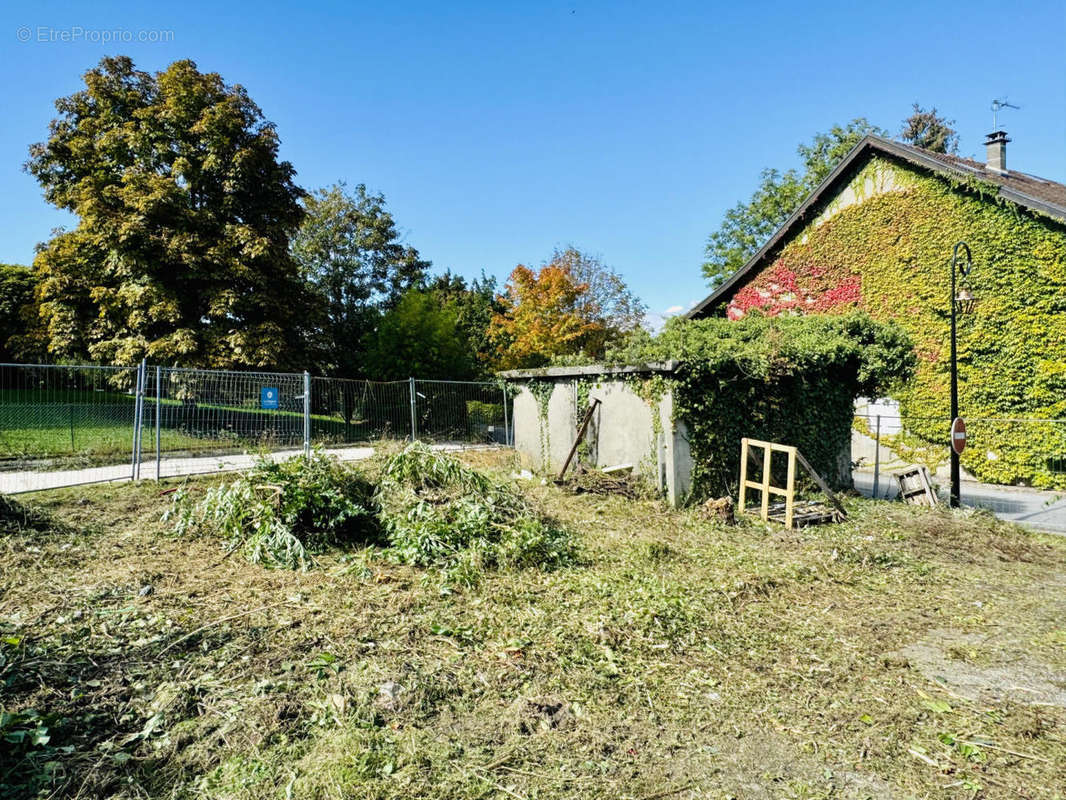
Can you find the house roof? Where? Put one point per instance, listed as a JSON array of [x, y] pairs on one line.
[[1028, 191]]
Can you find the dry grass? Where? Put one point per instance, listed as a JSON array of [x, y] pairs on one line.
[[887, 657]]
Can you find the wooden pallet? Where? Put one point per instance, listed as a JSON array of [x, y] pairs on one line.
[[916, 488], [765, 487], [804, 513]]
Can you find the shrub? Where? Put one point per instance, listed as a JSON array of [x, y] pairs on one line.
[[786, 379], [436, 511], [280, 512]]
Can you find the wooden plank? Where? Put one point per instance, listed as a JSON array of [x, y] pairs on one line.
[[743, 474], [580, 435], [767, 454], [790, 488], [822, 484], [780, 448]]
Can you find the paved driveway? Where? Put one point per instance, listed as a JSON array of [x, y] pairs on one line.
[[1030, 507]]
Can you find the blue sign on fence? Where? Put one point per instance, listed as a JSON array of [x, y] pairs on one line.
[[268, 397]]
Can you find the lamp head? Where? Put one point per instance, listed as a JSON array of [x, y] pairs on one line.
[[965, 302]]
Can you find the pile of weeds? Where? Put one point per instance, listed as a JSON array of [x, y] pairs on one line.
[[436, 511], [279, 513], [18, 518]]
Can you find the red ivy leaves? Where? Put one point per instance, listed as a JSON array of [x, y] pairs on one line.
[[780, 289]]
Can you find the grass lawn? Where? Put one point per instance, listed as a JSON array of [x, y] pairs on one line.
[[903, 654], [70, 428]]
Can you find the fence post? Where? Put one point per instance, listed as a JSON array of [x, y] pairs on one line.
[[140, 416], [414, 409], [158, 418], [307, 414], [877, 455], [138, 395], [506, 424]]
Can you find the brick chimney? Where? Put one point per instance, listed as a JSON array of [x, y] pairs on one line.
[[996, 146]]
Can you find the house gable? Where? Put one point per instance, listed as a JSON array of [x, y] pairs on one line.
[[881, 243], [841, 189]]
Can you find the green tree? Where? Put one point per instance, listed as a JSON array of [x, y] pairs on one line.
[[930, 131], [181, 252], [474, 304], [18, 313], [349, 249], [749, 225], [419, 336]]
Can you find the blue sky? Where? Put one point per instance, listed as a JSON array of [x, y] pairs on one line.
[[498, 131]]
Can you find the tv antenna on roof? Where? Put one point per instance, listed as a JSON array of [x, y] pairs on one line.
[[996, 106]]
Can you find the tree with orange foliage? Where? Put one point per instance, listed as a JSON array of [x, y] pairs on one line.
[[573, 305]]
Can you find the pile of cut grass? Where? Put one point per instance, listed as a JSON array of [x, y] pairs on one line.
[[436, 511], [280, 513], [904, 653], [16, 517], [426, 508]]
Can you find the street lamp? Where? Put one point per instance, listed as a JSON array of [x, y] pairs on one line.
[[962, 302]]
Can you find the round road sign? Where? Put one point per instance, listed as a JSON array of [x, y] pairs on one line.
[[958, 435]]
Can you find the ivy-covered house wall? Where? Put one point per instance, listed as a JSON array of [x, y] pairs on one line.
[[883, 244], [633, 424]]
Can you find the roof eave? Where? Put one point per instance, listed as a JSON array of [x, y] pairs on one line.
[[797, 215], [867, 143]]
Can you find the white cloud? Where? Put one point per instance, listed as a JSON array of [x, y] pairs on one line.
[[674, 310]]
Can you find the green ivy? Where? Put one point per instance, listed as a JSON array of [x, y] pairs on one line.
[[895, 248], [786, 379], [542, 391]]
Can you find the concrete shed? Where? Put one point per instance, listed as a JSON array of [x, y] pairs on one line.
[[632, 424]]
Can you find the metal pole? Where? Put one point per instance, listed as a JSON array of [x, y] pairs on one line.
[[506, 423], [414, 410], [307, 414], [158, 418], [877, 456], [72, 428], [955, 498], [135, 456], [140, 417]]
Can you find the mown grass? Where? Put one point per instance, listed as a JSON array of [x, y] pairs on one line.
[[674, 657]]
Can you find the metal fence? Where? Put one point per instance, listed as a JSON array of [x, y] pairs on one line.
[[1004, 458], [67, 425], [81, 414]]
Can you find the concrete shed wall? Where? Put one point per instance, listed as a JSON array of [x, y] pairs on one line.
[[626, 429]]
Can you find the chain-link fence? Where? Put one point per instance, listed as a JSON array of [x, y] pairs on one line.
[[67, 425], [190, 415], [347, 411]]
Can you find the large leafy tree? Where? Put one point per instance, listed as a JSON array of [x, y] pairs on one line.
[[539, 319], [419, 336], [474, 305], [181, 252], [931, 131], [748, 225], [573, 306], [349, 249], [18, 312], [607, 302]]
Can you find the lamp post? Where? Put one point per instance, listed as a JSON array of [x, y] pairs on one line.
[[962, 301]]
